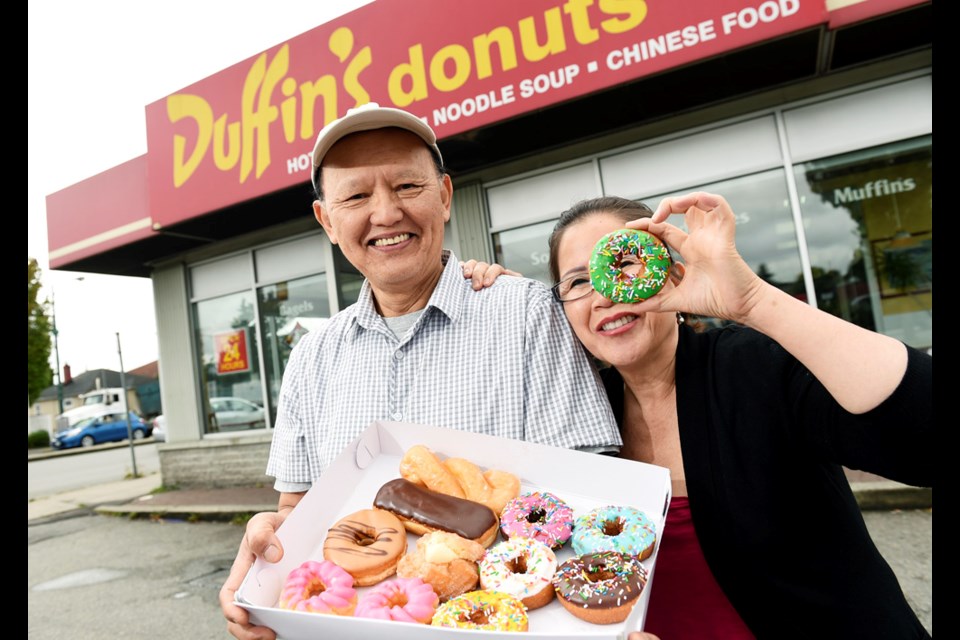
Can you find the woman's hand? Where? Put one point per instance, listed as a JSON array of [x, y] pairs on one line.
[[717, 282], [484, 274]]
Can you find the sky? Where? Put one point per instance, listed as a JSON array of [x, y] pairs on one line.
[[93, 66]]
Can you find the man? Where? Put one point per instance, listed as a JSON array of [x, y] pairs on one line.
[[420, 345]]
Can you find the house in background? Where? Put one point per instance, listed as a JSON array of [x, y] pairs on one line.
[[142, 384]]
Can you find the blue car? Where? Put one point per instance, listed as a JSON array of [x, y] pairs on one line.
[[106, 427]]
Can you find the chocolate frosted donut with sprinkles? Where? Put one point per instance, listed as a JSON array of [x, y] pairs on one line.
[[600, 588]]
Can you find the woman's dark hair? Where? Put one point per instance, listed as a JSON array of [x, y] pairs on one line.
[[623, 208]]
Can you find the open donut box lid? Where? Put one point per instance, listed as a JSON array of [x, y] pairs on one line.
[[583, 480]]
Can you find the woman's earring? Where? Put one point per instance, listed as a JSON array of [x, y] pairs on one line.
[[680, 318]]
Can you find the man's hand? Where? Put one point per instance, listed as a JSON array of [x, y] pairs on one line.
[[259, 540]]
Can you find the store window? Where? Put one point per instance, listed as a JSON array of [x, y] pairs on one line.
[[229, 365], [868, 218], [525, 250], [288, 311]]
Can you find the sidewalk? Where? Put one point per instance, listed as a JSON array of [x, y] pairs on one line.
[[141, 496]]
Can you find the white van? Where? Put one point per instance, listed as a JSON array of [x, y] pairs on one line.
[[92, 403]]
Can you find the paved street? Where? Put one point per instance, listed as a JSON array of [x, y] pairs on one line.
[[96, 577]]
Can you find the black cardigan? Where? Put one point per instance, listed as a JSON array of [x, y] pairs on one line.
[[763, 444]]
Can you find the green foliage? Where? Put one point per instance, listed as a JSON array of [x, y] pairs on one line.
[[37, 439], [39, 373]]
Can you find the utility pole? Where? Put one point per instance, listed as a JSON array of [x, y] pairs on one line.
[[56, 350], [126, 411]]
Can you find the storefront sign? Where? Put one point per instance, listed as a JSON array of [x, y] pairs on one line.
[[249, 129], [231, 350]]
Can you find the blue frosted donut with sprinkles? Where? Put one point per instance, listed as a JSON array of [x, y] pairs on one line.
[[614, 528]]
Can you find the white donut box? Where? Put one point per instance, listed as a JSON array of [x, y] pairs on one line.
[[583, 480]]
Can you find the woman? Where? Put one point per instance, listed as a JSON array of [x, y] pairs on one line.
[[764, 537]]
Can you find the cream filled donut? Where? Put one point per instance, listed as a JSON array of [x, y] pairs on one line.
[[521, 567], [613, 528], [319, 587], [539, 515]]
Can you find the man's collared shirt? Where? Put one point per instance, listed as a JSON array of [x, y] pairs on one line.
[[501, 361]]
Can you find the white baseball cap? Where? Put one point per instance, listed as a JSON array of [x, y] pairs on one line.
[[366, 118]]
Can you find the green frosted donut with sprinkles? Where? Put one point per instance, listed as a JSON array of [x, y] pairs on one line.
[[629, 265]]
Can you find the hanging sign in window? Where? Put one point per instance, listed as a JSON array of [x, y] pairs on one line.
[[231, 350]]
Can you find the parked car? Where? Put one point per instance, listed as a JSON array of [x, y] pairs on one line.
[[103, 427], [234, 414], [160, 428], [229, 414]]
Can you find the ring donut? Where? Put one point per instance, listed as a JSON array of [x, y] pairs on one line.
[[613, 528], [319, 587], [600, 587], [482, 610], [368, 545], [629, 265]]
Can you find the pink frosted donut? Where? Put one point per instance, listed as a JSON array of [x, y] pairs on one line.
[[538, 515], [319, 587], [400, 599]]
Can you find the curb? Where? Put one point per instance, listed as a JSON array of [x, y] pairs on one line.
[[888, 495]]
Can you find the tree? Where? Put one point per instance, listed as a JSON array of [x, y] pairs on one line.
[[39, 373]]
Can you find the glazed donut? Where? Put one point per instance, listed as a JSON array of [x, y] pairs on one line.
[[367, 544], [319, 587], [610, 267], [600, 587], [400, 599], [422, 510], [611, 528], [459, 477], [539, 515], [486, 610], [445, 561], [520, 567]]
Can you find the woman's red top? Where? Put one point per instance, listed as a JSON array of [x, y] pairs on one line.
[[686, 601]]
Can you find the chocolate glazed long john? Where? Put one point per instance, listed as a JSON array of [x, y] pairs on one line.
[[422, 510]]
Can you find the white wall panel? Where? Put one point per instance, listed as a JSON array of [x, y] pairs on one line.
[[540, 197], [713, 155], [860, 120]]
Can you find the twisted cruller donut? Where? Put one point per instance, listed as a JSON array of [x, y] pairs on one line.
[[623, 529], [400, 599], [319, 587], [600, 587], [459, 478], [486, 610], [615, 251]]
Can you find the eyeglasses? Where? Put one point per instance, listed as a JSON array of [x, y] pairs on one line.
[[579, 286]]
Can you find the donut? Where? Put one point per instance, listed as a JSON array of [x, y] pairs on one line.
[[612, 528], [459, 477], [367, 544], [520, 567], [445, 561], [422, 511], [319, 587], [399, 599], [629, 265], [484, 610], [601, 587], [539, 515]]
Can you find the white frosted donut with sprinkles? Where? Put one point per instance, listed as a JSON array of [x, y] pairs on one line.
[[613, 528], [521, 567]]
